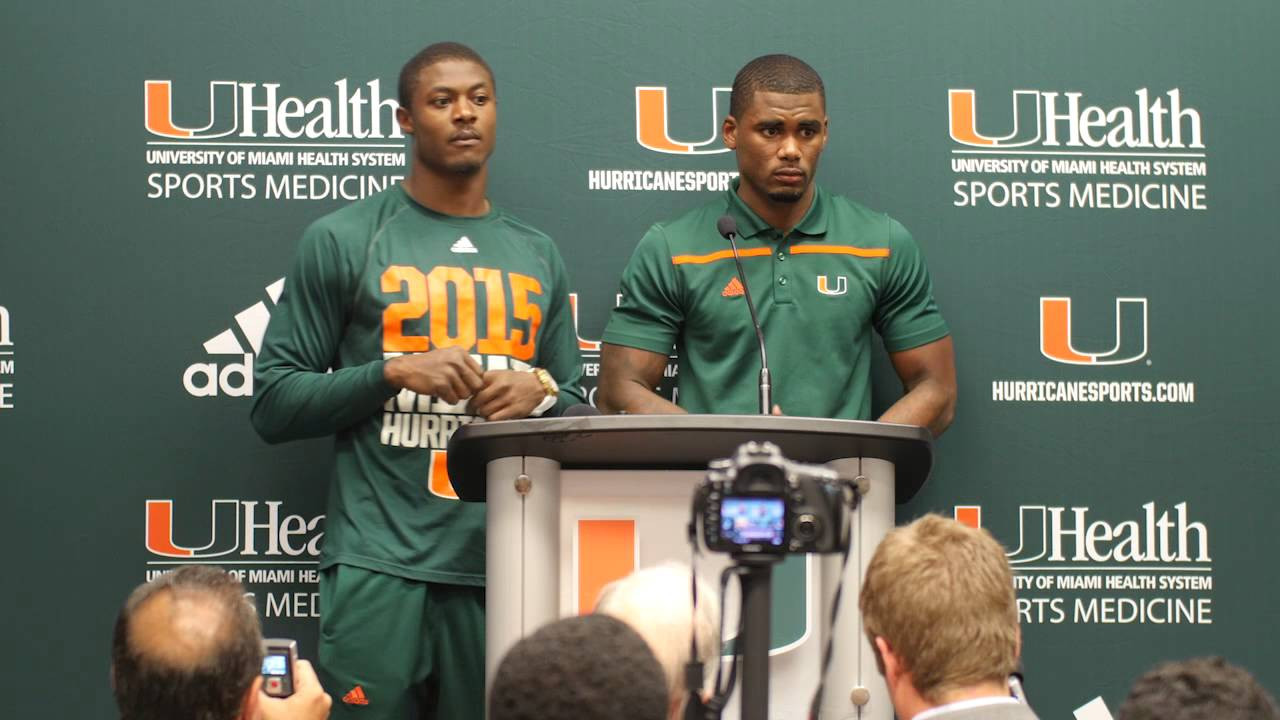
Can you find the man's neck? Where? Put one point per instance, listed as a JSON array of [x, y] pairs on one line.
[[781, 216], [914, 704], [457, 195]]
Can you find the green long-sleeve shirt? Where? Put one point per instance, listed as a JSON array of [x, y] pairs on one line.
[[386, 276]]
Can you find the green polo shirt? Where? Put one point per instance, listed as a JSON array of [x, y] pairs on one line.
[[819, 292]]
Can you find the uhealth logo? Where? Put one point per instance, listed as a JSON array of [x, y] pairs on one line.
[[243, 527], [1062, 119], [235, 379], [652, 123], [1070, 535], [1130, 337], [250, 110], [5, 340], [6, 360]]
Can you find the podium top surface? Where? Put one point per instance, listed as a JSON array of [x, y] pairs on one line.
[[682, 442]]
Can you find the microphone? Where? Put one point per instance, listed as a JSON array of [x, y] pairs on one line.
[[728, 229], [580, 410]]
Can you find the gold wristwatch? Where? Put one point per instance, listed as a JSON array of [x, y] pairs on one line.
[[552, 390]]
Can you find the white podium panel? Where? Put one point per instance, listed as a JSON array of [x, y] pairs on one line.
[[576, 503], [621, 520]]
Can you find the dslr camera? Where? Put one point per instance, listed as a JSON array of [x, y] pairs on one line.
[[759, 502]]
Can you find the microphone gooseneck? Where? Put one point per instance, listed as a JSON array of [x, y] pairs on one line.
[[728, 229]]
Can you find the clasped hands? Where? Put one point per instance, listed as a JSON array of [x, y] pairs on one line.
[[452, 375]]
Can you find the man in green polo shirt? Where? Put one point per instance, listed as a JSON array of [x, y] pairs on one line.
[[823, 270]]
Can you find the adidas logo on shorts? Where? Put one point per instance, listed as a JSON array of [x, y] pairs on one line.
[[356, 697]]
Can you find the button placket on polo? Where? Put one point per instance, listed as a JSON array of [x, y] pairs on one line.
[[782, 282]]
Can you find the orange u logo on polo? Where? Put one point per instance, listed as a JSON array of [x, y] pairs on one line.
[[1056, 339], [652, 127], [962, 111], [158, 111]]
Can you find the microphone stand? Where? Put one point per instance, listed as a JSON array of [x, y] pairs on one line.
[[766, 388]]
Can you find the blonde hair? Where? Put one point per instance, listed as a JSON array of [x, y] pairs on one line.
[[941, 595]]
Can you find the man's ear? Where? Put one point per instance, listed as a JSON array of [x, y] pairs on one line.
[[405, 120], [249, 706], [890, 664], [729, 132]]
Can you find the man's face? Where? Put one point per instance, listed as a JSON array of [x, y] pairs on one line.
[[778, 140], [453, 117]]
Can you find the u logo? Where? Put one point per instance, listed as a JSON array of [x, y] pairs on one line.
[[824, 286], [1131, 333], [964, 124], [158, 112], [225, 514], [651, 123]]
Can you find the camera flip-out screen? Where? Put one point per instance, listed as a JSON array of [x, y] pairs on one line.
[[275, 665], [752, 520]]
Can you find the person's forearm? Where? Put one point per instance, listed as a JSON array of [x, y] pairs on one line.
[[930, 404], [293, 403], [634, 398]]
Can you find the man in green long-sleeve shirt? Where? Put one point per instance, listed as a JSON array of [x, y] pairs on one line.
[[433, 308]]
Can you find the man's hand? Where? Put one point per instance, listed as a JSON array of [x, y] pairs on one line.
[[450, 374], [309, 701], [507, 395]]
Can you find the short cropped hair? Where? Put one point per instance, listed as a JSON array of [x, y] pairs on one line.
[[590, 667], [941, 594], [430, 55], [773, 73], [186, 645], [657, 603], [1208, 688]]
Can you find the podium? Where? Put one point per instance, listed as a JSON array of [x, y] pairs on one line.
[[576, 502]]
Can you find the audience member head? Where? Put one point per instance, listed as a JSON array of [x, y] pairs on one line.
[[186, 645], [657, 603], [1207, 688], [591, 667], [938, 607]]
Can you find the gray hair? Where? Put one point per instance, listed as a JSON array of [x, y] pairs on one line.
[[656, 602]]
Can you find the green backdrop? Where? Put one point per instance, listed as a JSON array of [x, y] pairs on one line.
[[139, 265]]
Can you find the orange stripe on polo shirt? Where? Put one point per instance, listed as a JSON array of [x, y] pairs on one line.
[[840, 250], [718, 255], [606, 552]]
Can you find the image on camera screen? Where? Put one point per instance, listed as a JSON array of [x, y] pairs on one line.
[[752, 520], [275, 665]]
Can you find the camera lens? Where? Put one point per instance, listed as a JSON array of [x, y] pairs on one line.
[[807, 527]]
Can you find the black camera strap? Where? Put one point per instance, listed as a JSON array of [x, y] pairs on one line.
[[695, 707], [855, 498]]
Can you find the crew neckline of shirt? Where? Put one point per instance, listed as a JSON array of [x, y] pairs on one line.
[[454, 219]]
